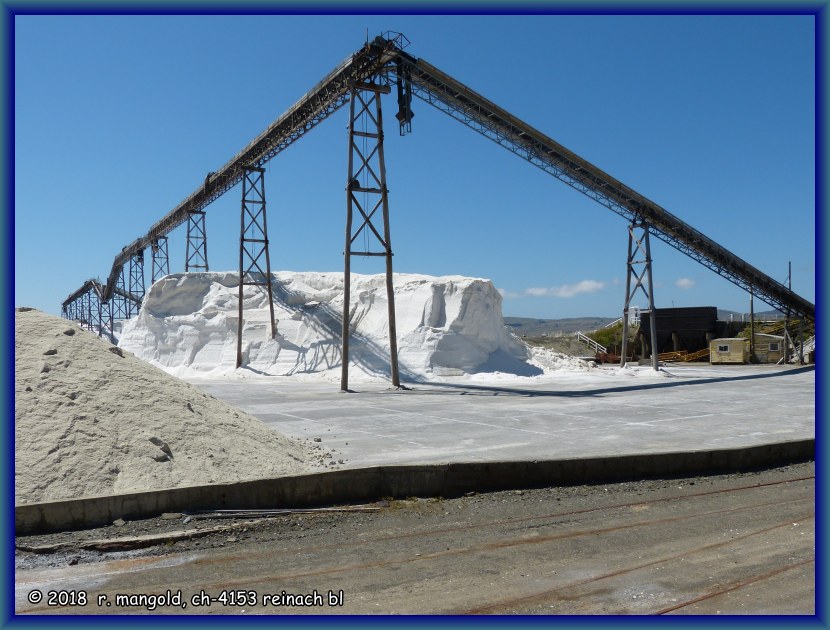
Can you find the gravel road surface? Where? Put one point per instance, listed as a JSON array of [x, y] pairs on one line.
[[722, 544]]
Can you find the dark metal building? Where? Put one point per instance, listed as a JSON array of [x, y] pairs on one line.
[[689, 328]]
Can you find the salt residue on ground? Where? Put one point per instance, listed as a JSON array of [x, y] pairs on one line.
[[92, 419], [448, 326]]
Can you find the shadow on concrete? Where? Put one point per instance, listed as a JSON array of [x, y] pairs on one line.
[[490, 390]]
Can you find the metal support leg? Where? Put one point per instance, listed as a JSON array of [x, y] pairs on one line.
[[801, 340], [83, 309], [99, 315], [105, 319], [137, 279], [751, 326], [253, 247], [639, 246], [196, 250], [366, 191], [121, 306], [88, 316], [161, 261]]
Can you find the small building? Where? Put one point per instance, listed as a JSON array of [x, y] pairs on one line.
[[769, 348], [734, 350], [687, 328]]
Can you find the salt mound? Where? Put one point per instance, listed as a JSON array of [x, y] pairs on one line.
[[91, 419], [449, 325]]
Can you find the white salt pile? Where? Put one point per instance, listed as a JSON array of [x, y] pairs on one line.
[[91, 419], [447, 326]]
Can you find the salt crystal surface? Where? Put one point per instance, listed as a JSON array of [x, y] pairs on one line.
[[447, 326]]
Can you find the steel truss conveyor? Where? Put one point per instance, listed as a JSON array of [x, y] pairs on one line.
[[384, 60], [320, 102], [457, 100]]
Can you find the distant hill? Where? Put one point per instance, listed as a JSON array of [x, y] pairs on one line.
[[537, 327], [531, 327]]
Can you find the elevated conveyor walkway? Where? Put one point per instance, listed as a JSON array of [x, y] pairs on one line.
[[384, 60]]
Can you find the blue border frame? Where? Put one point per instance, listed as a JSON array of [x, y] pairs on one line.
[[822, 24], [10, 8]]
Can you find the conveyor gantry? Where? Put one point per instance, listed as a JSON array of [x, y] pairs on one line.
[[384, 58], [315, 106], [475, 111]]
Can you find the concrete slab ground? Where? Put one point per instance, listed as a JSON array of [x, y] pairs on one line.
[[609, 412], [727, 545], [446, 439]]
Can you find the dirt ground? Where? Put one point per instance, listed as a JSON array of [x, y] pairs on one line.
[[722, 544]]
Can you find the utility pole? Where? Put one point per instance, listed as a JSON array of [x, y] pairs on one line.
[[786, 358], [751, 325]]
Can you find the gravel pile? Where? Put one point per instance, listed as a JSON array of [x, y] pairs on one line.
[[92, 419]]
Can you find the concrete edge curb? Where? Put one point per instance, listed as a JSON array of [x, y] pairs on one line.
[[369, 484]]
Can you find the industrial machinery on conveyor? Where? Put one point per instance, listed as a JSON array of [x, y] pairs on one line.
[[384, 61]]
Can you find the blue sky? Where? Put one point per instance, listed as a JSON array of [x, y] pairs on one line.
[[118, 119]]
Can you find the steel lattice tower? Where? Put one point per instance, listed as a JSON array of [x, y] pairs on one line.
[[161, 261], [366, 191], [121, 306], [196, 250], [639, 246], [137, 278], [253, 247]]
